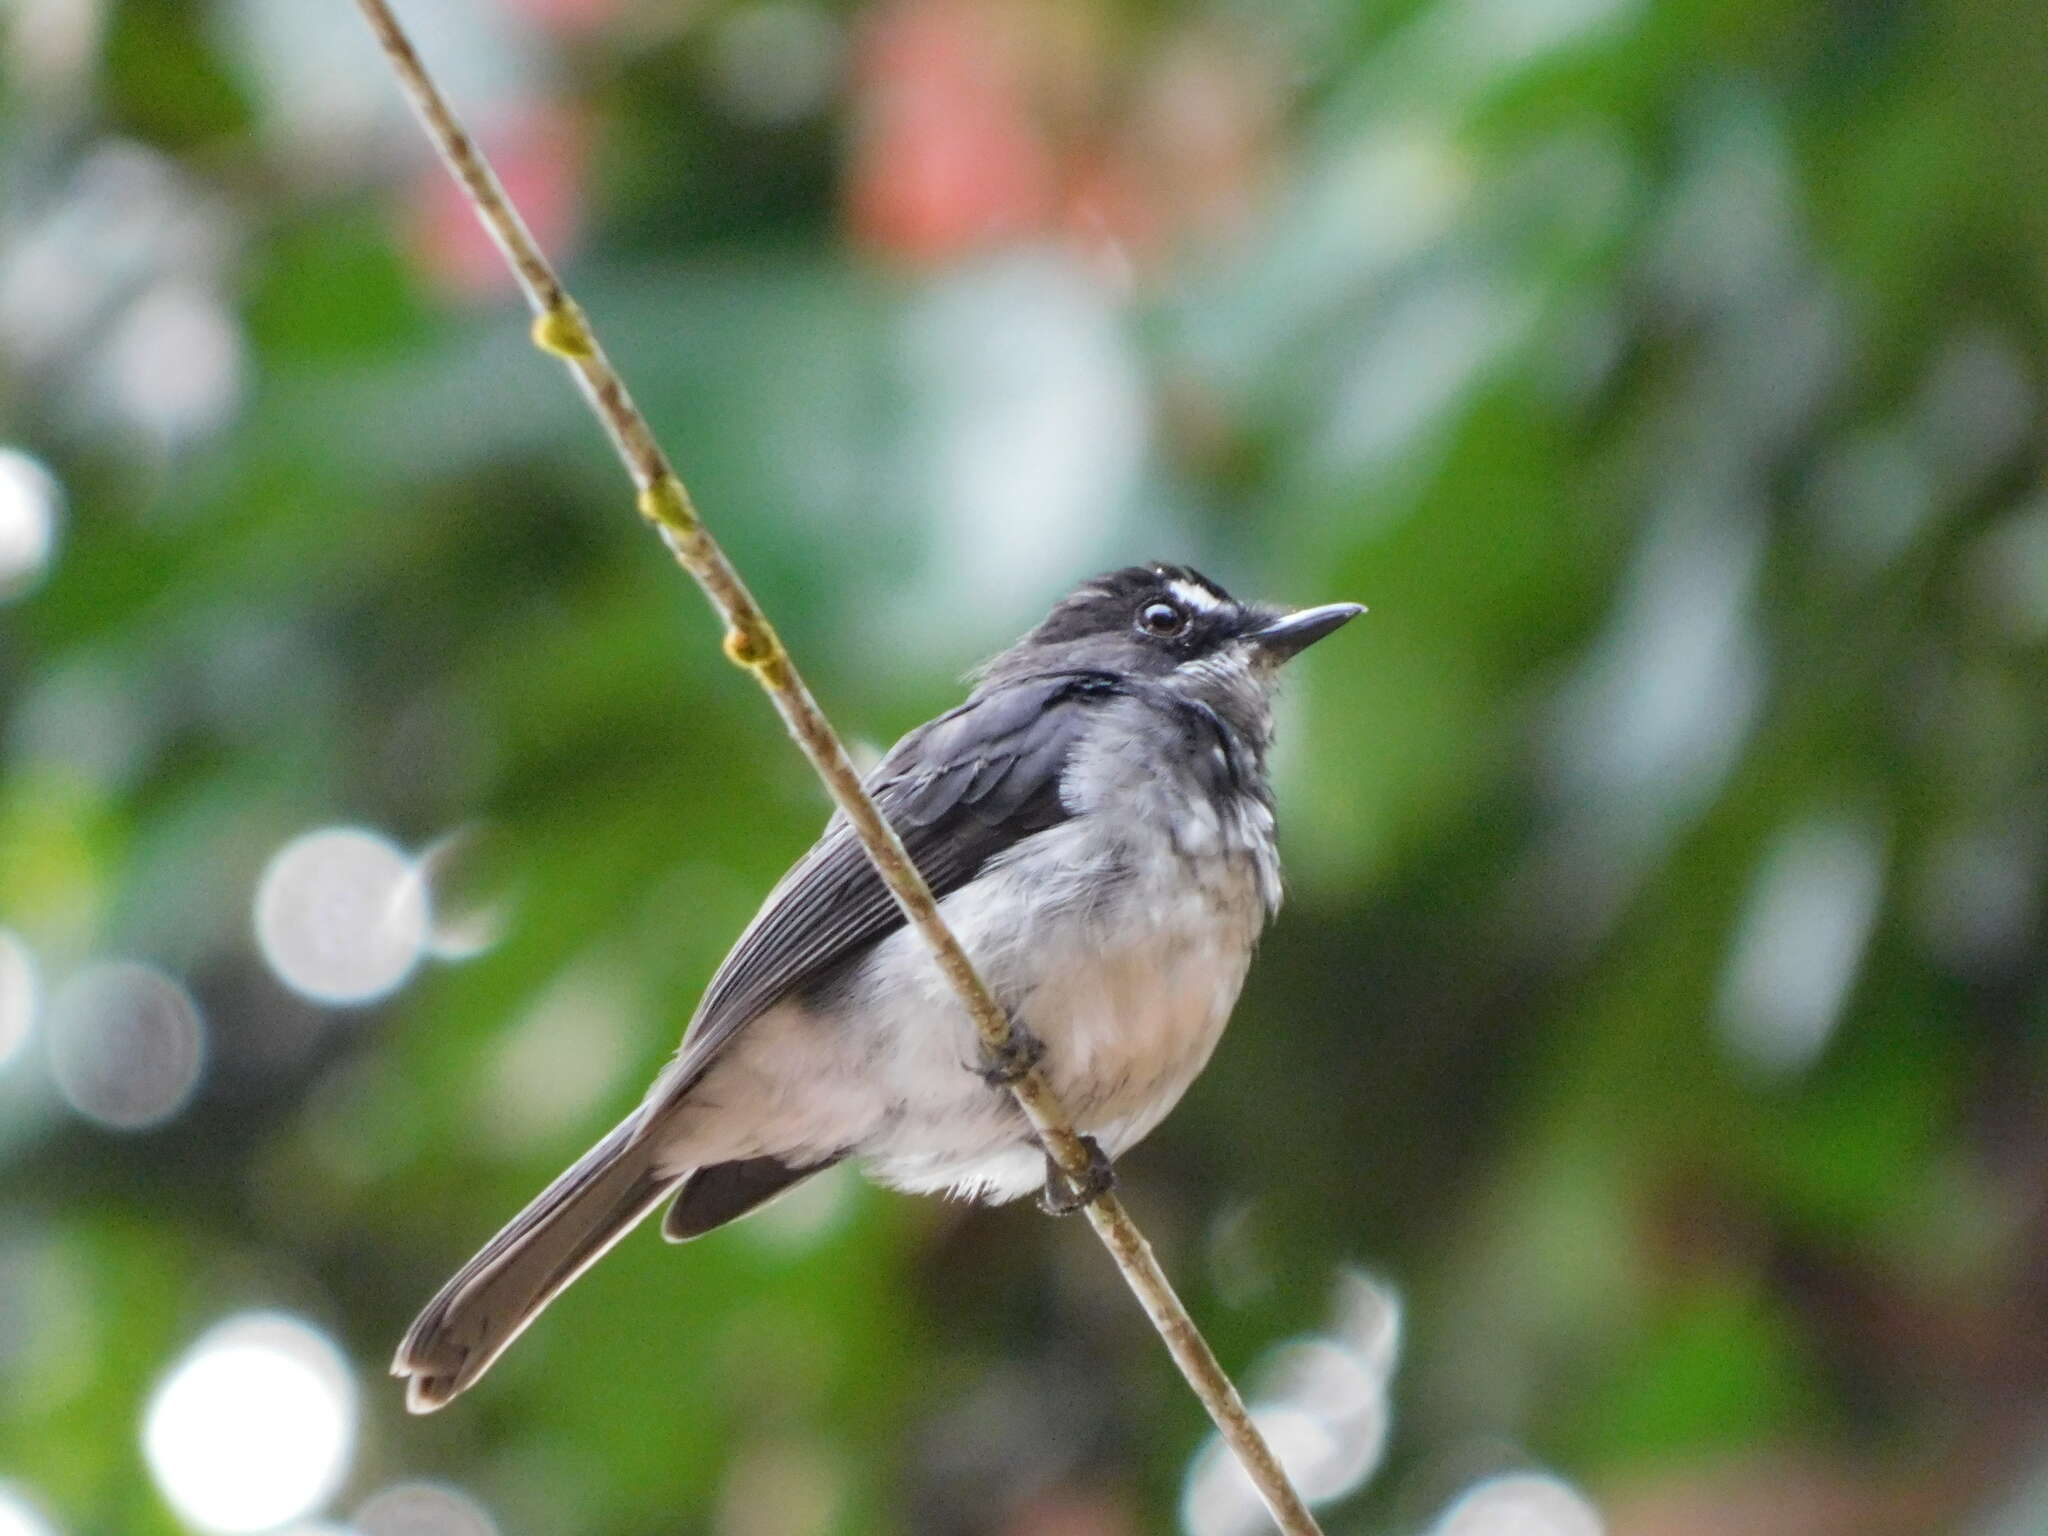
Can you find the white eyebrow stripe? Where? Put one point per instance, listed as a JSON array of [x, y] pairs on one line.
[[1199, 598]]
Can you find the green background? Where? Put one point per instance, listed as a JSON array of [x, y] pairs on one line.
[[1658, 1008]]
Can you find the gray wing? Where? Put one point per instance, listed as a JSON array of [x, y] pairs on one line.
[[958, 790]]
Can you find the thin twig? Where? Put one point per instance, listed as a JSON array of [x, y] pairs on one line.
[[751, 642]]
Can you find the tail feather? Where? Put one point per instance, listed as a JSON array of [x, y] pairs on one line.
[[567, 1228], [710, 1197]]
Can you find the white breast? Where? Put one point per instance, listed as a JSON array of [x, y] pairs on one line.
[[1129, 997], [1121, 943]]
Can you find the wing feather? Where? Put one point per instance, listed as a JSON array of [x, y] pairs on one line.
[[959, 790]]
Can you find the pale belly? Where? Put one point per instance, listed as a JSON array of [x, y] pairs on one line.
[[1129, 1003], [1126, 1030]]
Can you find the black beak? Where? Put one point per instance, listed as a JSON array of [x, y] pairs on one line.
[[1292, 633]]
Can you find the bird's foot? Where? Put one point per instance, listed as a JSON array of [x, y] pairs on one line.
[[1062, 1196], [1019, 1054]]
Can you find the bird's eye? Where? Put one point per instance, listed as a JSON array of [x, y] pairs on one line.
[[1161, 619]]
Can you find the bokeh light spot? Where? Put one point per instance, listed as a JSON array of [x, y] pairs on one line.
[[254, 1426], [341, 915], [557, 1064], [19, 1515], [1812, 905], [422, 1509], [28, 522], [1521, 1504], [125, 1044], [173, 364], [1322, 1403], [17, 994], [467, 890]]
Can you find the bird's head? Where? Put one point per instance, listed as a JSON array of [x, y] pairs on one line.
[[1168, 623]]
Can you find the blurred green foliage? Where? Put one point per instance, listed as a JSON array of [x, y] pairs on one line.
[[1659, 1006]]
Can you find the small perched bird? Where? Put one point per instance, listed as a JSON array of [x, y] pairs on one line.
[[1097, 825]]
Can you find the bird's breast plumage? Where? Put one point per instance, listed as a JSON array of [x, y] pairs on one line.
[[1119, 936]]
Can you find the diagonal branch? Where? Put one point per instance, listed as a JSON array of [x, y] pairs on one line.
[[751, 642]]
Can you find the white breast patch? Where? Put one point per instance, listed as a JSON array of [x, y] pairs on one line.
[[1120, 939]]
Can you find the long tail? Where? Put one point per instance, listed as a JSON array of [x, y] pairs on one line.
[[566, 1229]]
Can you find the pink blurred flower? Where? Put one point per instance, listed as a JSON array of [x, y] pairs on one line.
[[946, 155], [983, 122]]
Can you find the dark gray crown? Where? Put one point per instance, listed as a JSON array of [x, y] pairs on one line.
[[1111, 602]]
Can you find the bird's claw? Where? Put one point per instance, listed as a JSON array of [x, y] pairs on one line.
[[1062, 1196], [1020, 1052]]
